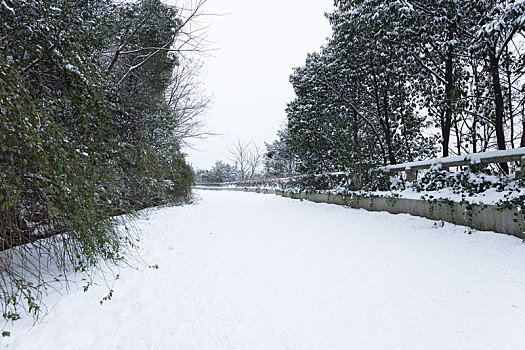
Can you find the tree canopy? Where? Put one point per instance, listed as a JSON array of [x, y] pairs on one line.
[[86, 133], [401, 80]]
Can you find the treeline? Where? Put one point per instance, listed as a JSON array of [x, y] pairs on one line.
[[91, 123], [220, 172], [247, 158], [403, 80]]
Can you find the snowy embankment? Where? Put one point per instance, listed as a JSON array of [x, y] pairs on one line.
[[247, 271]]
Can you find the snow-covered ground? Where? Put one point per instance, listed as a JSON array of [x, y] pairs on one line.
[[251, 271]]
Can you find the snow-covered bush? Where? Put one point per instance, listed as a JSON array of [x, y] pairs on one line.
[[84, 138], [464, 181]]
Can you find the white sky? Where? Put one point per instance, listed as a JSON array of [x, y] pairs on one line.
[[257, 45]]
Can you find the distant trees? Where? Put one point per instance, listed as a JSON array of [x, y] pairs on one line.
[[255, 159], [219, 173], [87, 131], [247, 158], [394, 72]]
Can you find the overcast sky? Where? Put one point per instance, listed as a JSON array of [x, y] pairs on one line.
[[257, 45]]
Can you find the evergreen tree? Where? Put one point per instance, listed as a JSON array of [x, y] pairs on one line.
[[219, 173], [86, 134], [393, 70]]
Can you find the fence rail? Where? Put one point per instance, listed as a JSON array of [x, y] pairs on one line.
[[511, 155]]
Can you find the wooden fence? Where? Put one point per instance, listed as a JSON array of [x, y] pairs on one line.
[[473, 159]]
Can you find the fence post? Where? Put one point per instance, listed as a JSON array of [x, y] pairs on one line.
[[411, 174], [357, 181], [521, 174]]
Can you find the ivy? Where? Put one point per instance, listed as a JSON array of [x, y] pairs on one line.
[[82, 148]]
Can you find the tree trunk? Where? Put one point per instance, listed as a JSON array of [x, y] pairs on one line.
[[355, 135], [474, 134], [458, 135], [391, 155], [509, 96], [388, 131], [498, 101], [405, 136], [522, 143], [446, 120]]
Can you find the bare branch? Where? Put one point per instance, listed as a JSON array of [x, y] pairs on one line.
[[128, 39], [239, 153]]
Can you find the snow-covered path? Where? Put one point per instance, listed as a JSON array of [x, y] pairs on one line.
[[251, 271]]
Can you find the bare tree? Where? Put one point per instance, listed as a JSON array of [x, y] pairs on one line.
[[247, 157], [188, 36], [187, 101], [240, 154], [255, 158]]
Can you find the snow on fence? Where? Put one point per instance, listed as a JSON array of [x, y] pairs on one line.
[[411, 168], [511, 155]]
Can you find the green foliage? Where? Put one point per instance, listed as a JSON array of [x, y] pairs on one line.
[[81, 143], [353, 107], [280, 159], [107, 297], [315, 183], [397, 80], [461, 182], [219, 173]]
